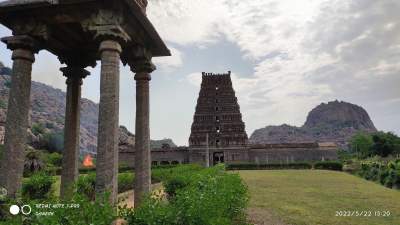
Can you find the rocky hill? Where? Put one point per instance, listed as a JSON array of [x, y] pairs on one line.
[[329, 122], [47, 117]]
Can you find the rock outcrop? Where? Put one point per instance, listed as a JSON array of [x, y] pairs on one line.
[[48, 110], [329, 122]]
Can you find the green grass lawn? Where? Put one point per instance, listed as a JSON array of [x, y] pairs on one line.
[[313, 196]]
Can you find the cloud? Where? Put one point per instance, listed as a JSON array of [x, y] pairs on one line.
[[303, 52], [169, 64]]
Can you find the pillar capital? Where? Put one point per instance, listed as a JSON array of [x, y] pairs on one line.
[[21, 42], [74, 72], [142, 66], [107, 25]]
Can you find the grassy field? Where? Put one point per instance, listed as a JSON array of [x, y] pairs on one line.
[[313, 196]]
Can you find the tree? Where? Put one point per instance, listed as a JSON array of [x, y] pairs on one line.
[[361, 144], [385, 144]]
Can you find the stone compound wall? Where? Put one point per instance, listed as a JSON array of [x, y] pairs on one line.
[[273, 153]]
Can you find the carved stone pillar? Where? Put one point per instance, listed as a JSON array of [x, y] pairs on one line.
[[142, 69], [69, 172], [107, 141], [12, 163]]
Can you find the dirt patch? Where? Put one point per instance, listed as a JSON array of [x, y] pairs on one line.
[[260, 216]]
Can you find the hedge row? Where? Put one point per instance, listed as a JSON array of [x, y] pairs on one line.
[[387, 174], [324, 165]]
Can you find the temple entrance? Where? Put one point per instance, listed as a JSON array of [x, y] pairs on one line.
[[218, 157]]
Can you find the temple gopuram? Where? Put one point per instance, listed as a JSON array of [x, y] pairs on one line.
[[218, 134]]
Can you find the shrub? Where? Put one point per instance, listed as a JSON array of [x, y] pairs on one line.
[[98, 212], [38, 186], [33, 162], [86, 185], [329, 165], [271, 166], [125, 182], [207, 196], [37, 128], [54, 159]]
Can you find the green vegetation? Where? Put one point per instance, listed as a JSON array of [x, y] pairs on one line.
[[206, 196], [323, 165], [38, 128], [33, 162], [270, 166], [383, 144], [80, 211], [387, 174], [38, 186], [328, 165], [309, 197]]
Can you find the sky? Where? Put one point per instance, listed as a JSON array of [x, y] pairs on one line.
[[286, 58]]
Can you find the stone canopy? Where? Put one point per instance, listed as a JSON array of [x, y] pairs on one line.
[[67, 28], [80, 33]]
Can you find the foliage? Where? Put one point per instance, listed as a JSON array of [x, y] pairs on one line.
[[125, 182], [7, 83], [270, 166], [329, 165], [38, 186], [385, 144], [80, 211], [380, 143], [200, 197], [361, 144], [54, 159], [33, 162], [38, 128], [54, 142], [86, 185], [387, 174]]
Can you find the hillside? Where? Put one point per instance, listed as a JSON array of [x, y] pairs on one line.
[[334, 121], [47, 117]]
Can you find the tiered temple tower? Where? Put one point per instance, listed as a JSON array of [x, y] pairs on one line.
[[218, 115]]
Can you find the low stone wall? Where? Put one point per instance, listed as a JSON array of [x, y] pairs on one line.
[[158, 157], [271, 153]]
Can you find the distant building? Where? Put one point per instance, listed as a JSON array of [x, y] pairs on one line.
[[218, 119]]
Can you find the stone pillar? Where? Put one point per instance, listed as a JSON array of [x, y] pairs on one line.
[[12, 163], [107, 140], [69, 172], [142, 69]]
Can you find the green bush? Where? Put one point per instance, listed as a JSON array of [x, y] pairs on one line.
[[38, 186], [54, 159], [329, 165], [98, 212], [271, 166], [202, 197], [86, 185], [38, 128], [125, 182]]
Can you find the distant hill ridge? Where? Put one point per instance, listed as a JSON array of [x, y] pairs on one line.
[[334, 121], [48, 109]]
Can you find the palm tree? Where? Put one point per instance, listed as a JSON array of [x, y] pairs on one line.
[[33, 162]]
